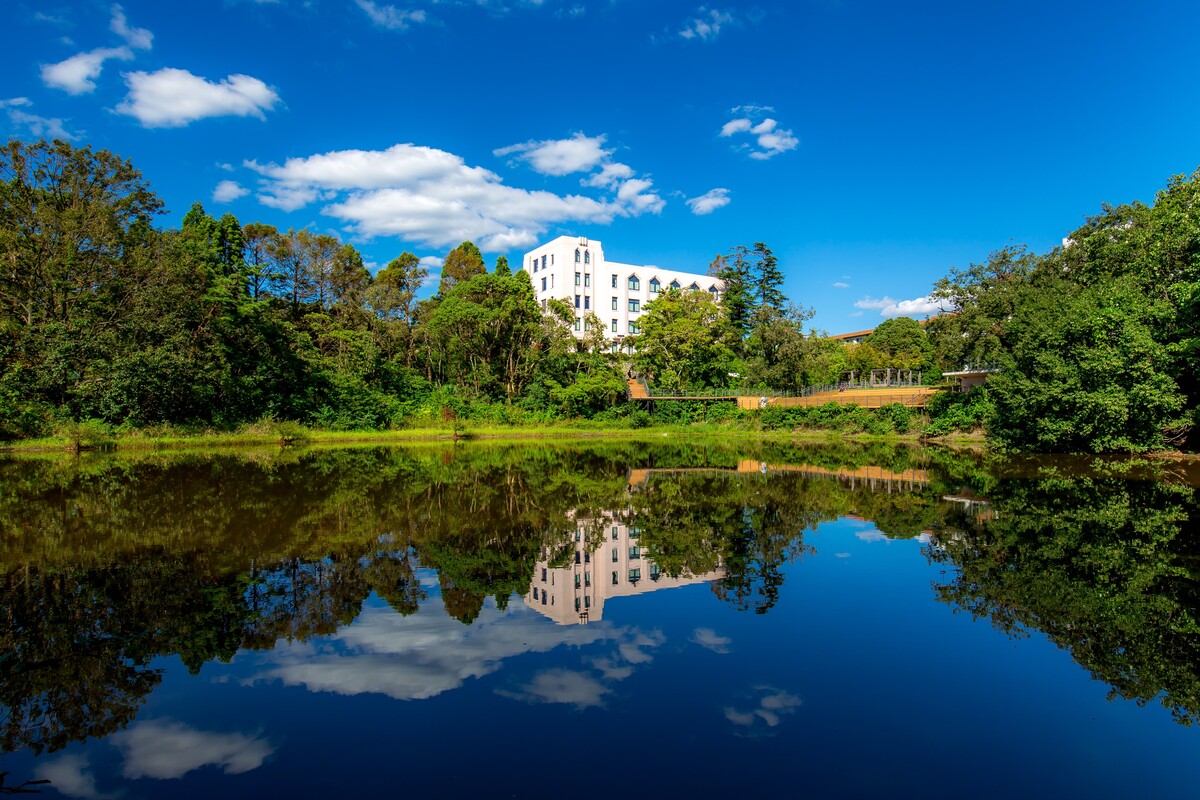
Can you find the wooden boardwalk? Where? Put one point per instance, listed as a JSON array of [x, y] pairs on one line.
[[911, 396], [871, 476]]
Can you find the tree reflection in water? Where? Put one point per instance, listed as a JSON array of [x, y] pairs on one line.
[[109, 563]]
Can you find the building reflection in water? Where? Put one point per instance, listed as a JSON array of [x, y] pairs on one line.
[[607, 561]]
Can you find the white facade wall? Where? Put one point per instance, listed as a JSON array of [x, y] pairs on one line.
[[574, 269]]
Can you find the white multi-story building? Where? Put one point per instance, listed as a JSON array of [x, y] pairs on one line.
[[574, 269]]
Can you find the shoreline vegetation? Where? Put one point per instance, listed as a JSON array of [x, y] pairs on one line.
[[115, 331]]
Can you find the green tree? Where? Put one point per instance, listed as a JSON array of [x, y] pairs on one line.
[[462, 263], [684, 343]]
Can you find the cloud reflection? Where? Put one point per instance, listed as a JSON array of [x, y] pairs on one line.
[[70, 775], [708, 638], [422, 656], [771, 705], [166, 749]]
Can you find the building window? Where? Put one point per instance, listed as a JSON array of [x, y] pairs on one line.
[[614, 304], [614, 282], [576, 255], [587, 302], [543, 262], [543, 305], [544, 599], [634, 283], [635, 305], [587, 601], [635, 552], [576, 603], [577, 301], [535, 593], [614, 347], [587, 279], [654, 572], [551, 281], [615, 579], [577, 323], [543, 574], [616, 557], [674, 284], [633, 326], [578, 533], [635, 574], [577, 580], [552, 259], [614, 330], [587, 579], [634, 532], [576, 278], [543, 284], [694, 287], [576, 556], [713, 291], [587, 557], [615, 533], [587, 257], [655, 286]]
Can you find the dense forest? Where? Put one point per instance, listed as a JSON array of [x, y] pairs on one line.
[[220, 324]]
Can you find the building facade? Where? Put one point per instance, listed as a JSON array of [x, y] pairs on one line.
[[574, 269]]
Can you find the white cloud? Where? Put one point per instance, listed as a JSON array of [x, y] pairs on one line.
[[709, 202], [165, 749], [918, 307], [171, 98], [707, 24], [432, 262], [77, 74], [38, 127], [228, 191], [610, 175], [432, 197], [856, 314], [580, 153], [137, 38], [841, 285], [736, 126], [770, 139], [708, 638], [390, 17]]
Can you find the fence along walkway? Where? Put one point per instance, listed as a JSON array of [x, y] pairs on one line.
[[911, 396]]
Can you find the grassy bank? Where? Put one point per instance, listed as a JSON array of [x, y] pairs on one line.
[[136, 440]]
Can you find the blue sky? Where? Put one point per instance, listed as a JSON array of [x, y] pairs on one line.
[[872, 145]]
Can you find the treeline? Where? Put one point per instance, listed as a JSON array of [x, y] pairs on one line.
[[104, 316], [1098, 341]]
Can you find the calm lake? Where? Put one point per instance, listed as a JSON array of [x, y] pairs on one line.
[[599, 619]]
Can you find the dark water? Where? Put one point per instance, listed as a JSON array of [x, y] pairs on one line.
[[748, 621]]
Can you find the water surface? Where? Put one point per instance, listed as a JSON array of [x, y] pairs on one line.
[[633, 618]]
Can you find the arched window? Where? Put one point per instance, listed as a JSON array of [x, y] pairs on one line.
[[694, 287], [576, 255], [587, 257], [634, 283], [674, 284], [655, 286]]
